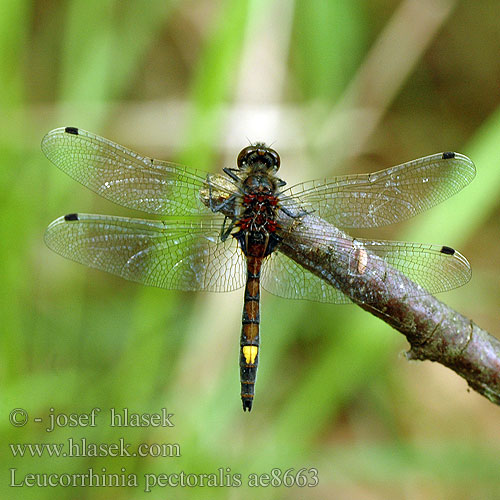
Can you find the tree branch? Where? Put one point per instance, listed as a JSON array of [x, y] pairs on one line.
[[435, 331]]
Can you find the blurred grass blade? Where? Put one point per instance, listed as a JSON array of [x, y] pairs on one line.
[[213, 81]]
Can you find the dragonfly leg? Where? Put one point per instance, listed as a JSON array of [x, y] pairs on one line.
[[231, 173], [224, 204], [300, 213], [225, 232]]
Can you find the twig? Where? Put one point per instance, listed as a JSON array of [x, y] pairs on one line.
[[435, 331]]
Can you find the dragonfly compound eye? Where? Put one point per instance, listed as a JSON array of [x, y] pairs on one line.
[[258, 153], [244, 155], [274, 157]]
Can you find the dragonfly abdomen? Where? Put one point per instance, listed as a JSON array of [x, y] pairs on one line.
[[249, 344]]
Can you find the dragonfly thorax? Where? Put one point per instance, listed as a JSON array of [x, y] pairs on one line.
[[257, 223], [259, 183]]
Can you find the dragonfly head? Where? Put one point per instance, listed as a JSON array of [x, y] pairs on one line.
[[258, 155]]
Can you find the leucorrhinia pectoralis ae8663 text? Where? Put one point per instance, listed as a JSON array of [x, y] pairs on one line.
[[221, 232]]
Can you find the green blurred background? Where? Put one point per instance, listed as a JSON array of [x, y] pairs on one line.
[[337, 87]]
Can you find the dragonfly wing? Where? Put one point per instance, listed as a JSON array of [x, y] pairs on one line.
[[168, 254], [384, 197], [433, 267], [127, 178], [400, 264], [283, 277]]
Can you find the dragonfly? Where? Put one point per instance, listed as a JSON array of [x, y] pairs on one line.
[[222, 232]]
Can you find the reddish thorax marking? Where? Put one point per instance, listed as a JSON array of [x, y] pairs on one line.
[[259, 212]]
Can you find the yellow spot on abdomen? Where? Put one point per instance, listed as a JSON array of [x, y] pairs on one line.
[[250, 353]]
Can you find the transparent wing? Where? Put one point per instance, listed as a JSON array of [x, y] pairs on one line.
[[167, 254], [283, 277], [434, 268], [384, 197], [129, 179]]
